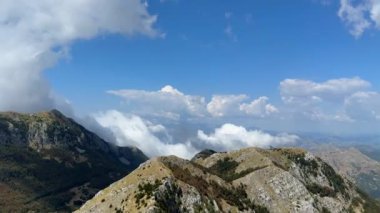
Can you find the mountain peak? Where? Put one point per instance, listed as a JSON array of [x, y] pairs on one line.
[[57, 113], [51, 163], [203, 154]]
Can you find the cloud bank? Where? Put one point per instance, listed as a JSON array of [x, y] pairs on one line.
[[230, 137], [154, 139], [331, 100], [36, 34], [363, 106], [333, 104], [171, 103], [303, 91], [131, 130], [237, 105], [343, 100]]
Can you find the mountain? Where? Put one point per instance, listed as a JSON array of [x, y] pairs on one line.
[[247, 180], [352, 163], [48, 163], [371, 150]]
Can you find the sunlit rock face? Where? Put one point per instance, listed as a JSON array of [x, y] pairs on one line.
[[247, 180]]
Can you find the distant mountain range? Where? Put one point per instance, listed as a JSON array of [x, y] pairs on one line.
[[247, 180], [49, 163]]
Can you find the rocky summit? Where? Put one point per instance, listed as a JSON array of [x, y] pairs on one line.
[[49, 163], [247, 180]]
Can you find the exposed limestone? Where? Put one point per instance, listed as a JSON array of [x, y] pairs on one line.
[[247, 180]]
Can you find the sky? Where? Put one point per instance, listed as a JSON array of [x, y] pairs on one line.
[[177, 76]]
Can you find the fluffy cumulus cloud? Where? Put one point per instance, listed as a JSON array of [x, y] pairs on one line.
[[154, 139], [229, 137], [360, 15], [36, 34], [223, 105], [166, 102], [259, 107], [174, 104], [237, 105], [131, 130]]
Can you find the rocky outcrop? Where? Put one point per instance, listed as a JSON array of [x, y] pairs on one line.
[[247, 180], [48, 162]]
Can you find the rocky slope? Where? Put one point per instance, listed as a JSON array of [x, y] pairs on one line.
[[352, 163], [50, 163], [247, 180]]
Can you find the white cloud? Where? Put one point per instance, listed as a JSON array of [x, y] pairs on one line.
[[229, 137], [354, 17], [305, 92], [154, 139], [36, 34], [363, 106], [237, 105], [225, 105], [259, 107], [360, 15], [131, 130], [375, 12], [332, 106], [167, 102], [343, 100]]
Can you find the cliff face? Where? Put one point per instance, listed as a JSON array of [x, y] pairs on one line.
[[48, 162], [247, 180]]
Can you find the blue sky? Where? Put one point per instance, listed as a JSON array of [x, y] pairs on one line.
[[176, 76], [275, 40]]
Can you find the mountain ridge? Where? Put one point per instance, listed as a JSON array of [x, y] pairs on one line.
[[246, 180]]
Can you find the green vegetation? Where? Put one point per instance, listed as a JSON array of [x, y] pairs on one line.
[[213, 191], [334, 179], [370, 205], [47, 181], [206, 205], [169, 200], [308, 166], [40, 164], [325, 210], [225, 169], [312, 167], [236, 197], [146, 190], [203, 154], [323, 191]]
